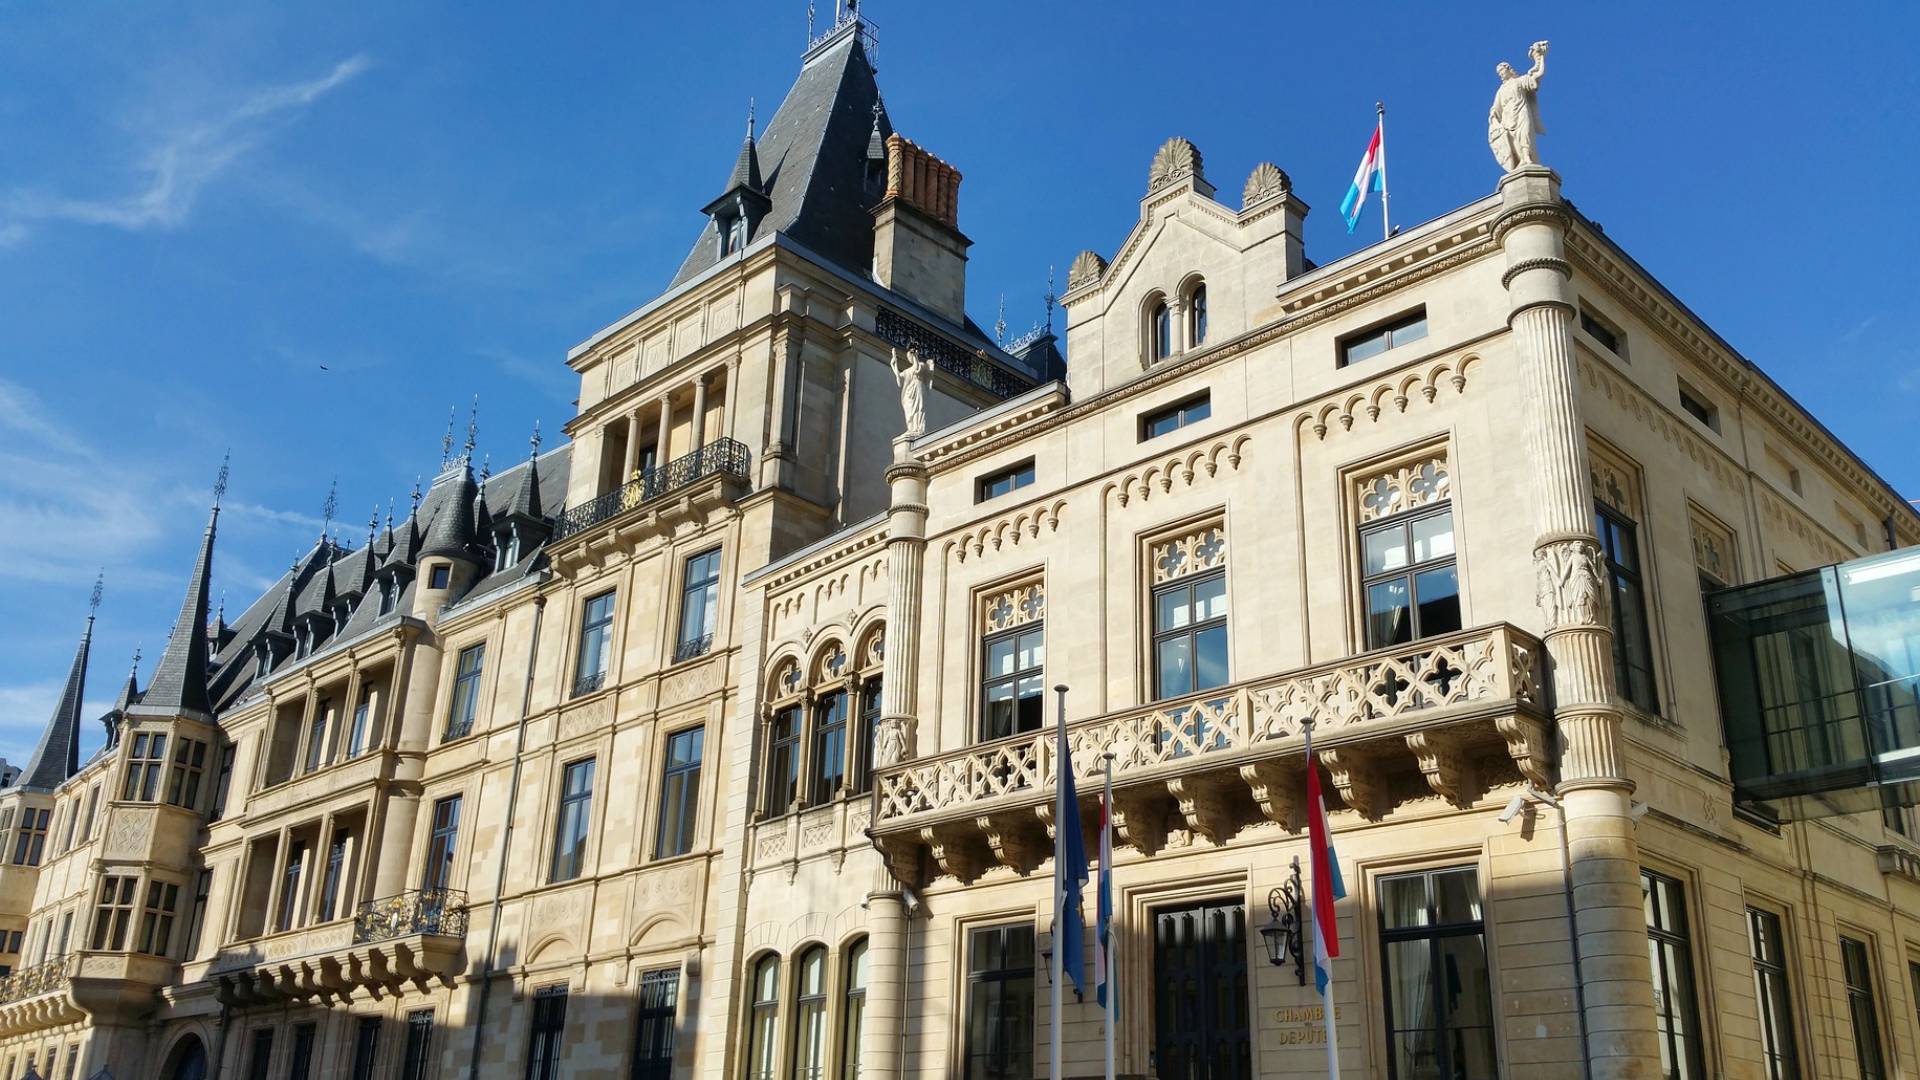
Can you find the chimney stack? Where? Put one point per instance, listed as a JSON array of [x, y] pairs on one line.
[[918, 249]]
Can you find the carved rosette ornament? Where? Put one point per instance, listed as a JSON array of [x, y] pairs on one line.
[[1570, 584], [1266, 182], [1087, 268]]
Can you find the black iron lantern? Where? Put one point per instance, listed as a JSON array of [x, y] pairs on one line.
[[1283, 933]]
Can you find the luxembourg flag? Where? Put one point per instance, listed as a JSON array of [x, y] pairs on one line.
[[1327, 888], [1370, 177]]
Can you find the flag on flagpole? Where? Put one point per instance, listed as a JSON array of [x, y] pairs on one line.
[[1370, 177], [1103, 919], [1327, 888], [1070, 850]]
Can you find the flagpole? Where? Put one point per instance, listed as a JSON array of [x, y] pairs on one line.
[[1106, 870], [1062, 761], [1380, 109], [1326, 996]]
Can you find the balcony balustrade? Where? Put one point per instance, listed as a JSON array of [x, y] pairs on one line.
[[721, 457], [1447, 715], [32, 982], [38, 997], [416, 936]]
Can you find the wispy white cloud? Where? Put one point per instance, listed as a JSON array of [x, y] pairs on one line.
[[179, 164]]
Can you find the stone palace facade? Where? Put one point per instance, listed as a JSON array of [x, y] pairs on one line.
[[715, 743]]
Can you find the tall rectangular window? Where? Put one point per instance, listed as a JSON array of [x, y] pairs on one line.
[[1011, 691], [300, 1064], [66, 932], [653, 1037], [1778, 1050], [93, 806], [1863, 1007], [113, 911], [221, 782], [73, 822], [156, 920], [30, 842], [679, 793], [183, 780], [596, 644], [197, 914], [853, 1016], [1439, 1002], [783, 760], [1190, 634], [357, 730], [145, 760], [829, 747], [549, 1025], [1409, 577], [1632, 647], [290, 886], [260, 1054], [570, 831], [419, 1048], [317, 735], [1200, 1023], [440, 844], [699, 605], [366, 1047], [870, 705], [336, 870], [763, 1021], [1370, 343], [999, 1020], [1676, 1016], [466, 691]]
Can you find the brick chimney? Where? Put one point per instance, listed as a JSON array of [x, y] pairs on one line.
[[918, 250]]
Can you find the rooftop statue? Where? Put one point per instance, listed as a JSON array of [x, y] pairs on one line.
[[1514, 119]]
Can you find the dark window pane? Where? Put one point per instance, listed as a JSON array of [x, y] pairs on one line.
[[1389, 620], [1210, 658], [1173, 662], [1439, 594]]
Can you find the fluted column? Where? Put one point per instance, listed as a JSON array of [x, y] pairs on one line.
[[660, 444], [886, 977], [906, 555], [633, 446], [700, 409], [1571, 589]]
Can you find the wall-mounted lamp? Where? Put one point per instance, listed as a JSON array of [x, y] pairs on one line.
[[1283, 934]]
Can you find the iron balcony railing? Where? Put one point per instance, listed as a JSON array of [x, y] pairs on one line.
[[974, 367], [441, 912], [721, 456], [692, 647], [587, 684], [457, 730], [34, 981]]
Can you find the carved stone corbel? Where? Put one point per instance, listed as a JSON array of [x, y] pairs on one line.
[[903, 860], [1016, 841], [1140, 819], [1276, 788], [1358, 778], [1446, 764], [959, 849], [1207, 809], [1527, 744]]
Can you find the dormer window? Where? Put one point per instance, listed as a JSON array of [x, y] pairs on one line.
[[265, 665], [386, 596], [303, 641], [733, 233]]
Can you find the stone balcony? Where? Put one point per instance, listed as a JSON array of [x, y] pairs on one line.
[[688, 488], [415, 937], [37, 997], [1445, 716]]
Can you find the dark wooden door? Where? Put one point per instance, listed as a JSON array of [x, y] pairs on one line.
[[1200, 993]]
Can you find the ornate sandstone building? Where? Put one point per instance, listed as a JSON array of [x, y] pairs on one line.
[[713, 743]]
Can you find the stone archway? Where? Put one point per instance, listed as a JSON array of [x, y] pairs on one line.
[[188, 1061]]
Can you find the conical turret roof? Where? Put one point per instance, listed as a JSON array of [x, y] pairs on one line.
[[58, 754], [179, 684]]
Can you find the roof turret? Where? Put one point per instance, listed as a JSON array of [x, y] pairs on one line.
[[179, 683], [58, 754]]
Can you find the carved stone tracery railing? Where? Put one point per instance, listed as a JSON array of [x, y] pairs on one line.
[[44, 978], [441, 912], [1415, 692]]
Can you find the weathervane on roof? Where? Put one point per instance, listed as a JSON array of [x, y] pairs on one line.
[[389, 513], [1051, 299], [1000, 324], [328, 508], [93, 601], [749, 119], [414, 499], [473, 425], [373, 524], [486, 467], [446, 441], [220, 481], [535, 441]]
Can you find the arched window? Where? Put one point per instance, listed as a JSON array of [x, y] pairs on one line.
[[1160, 329], [829, 747], [853, 1020], [763, 1032], [1197, 316], [810, 1016]]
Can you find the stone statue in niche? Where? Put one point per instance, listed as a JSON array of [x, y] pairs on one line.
[[1514, 119], [889, 741], [1569, 578], [911, 371]]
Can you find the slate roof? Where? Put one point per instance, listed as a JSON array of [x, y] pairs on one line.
[[179, 683], [814, 154], [58, 754]]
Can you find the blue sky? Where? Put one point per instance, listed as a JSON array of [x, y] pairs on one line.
[[303, 231]]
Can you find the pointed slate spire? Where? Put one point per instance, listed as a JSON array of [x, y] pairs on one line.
[[451, 533], [58, 754], [746, 168], [526, 498], [130, 693], [179, 683]]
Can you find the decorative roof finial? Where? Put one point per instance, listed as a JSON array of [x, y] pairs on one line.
[[473, 424], [220, 481], [749, 119], [446, 441], [93, 601], [414, 498], [809, 22], [373, 524], [1051, 299], [535, 441], [1000, 324], [328, 508], [389, 513], [135, 670], [486, 467]]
